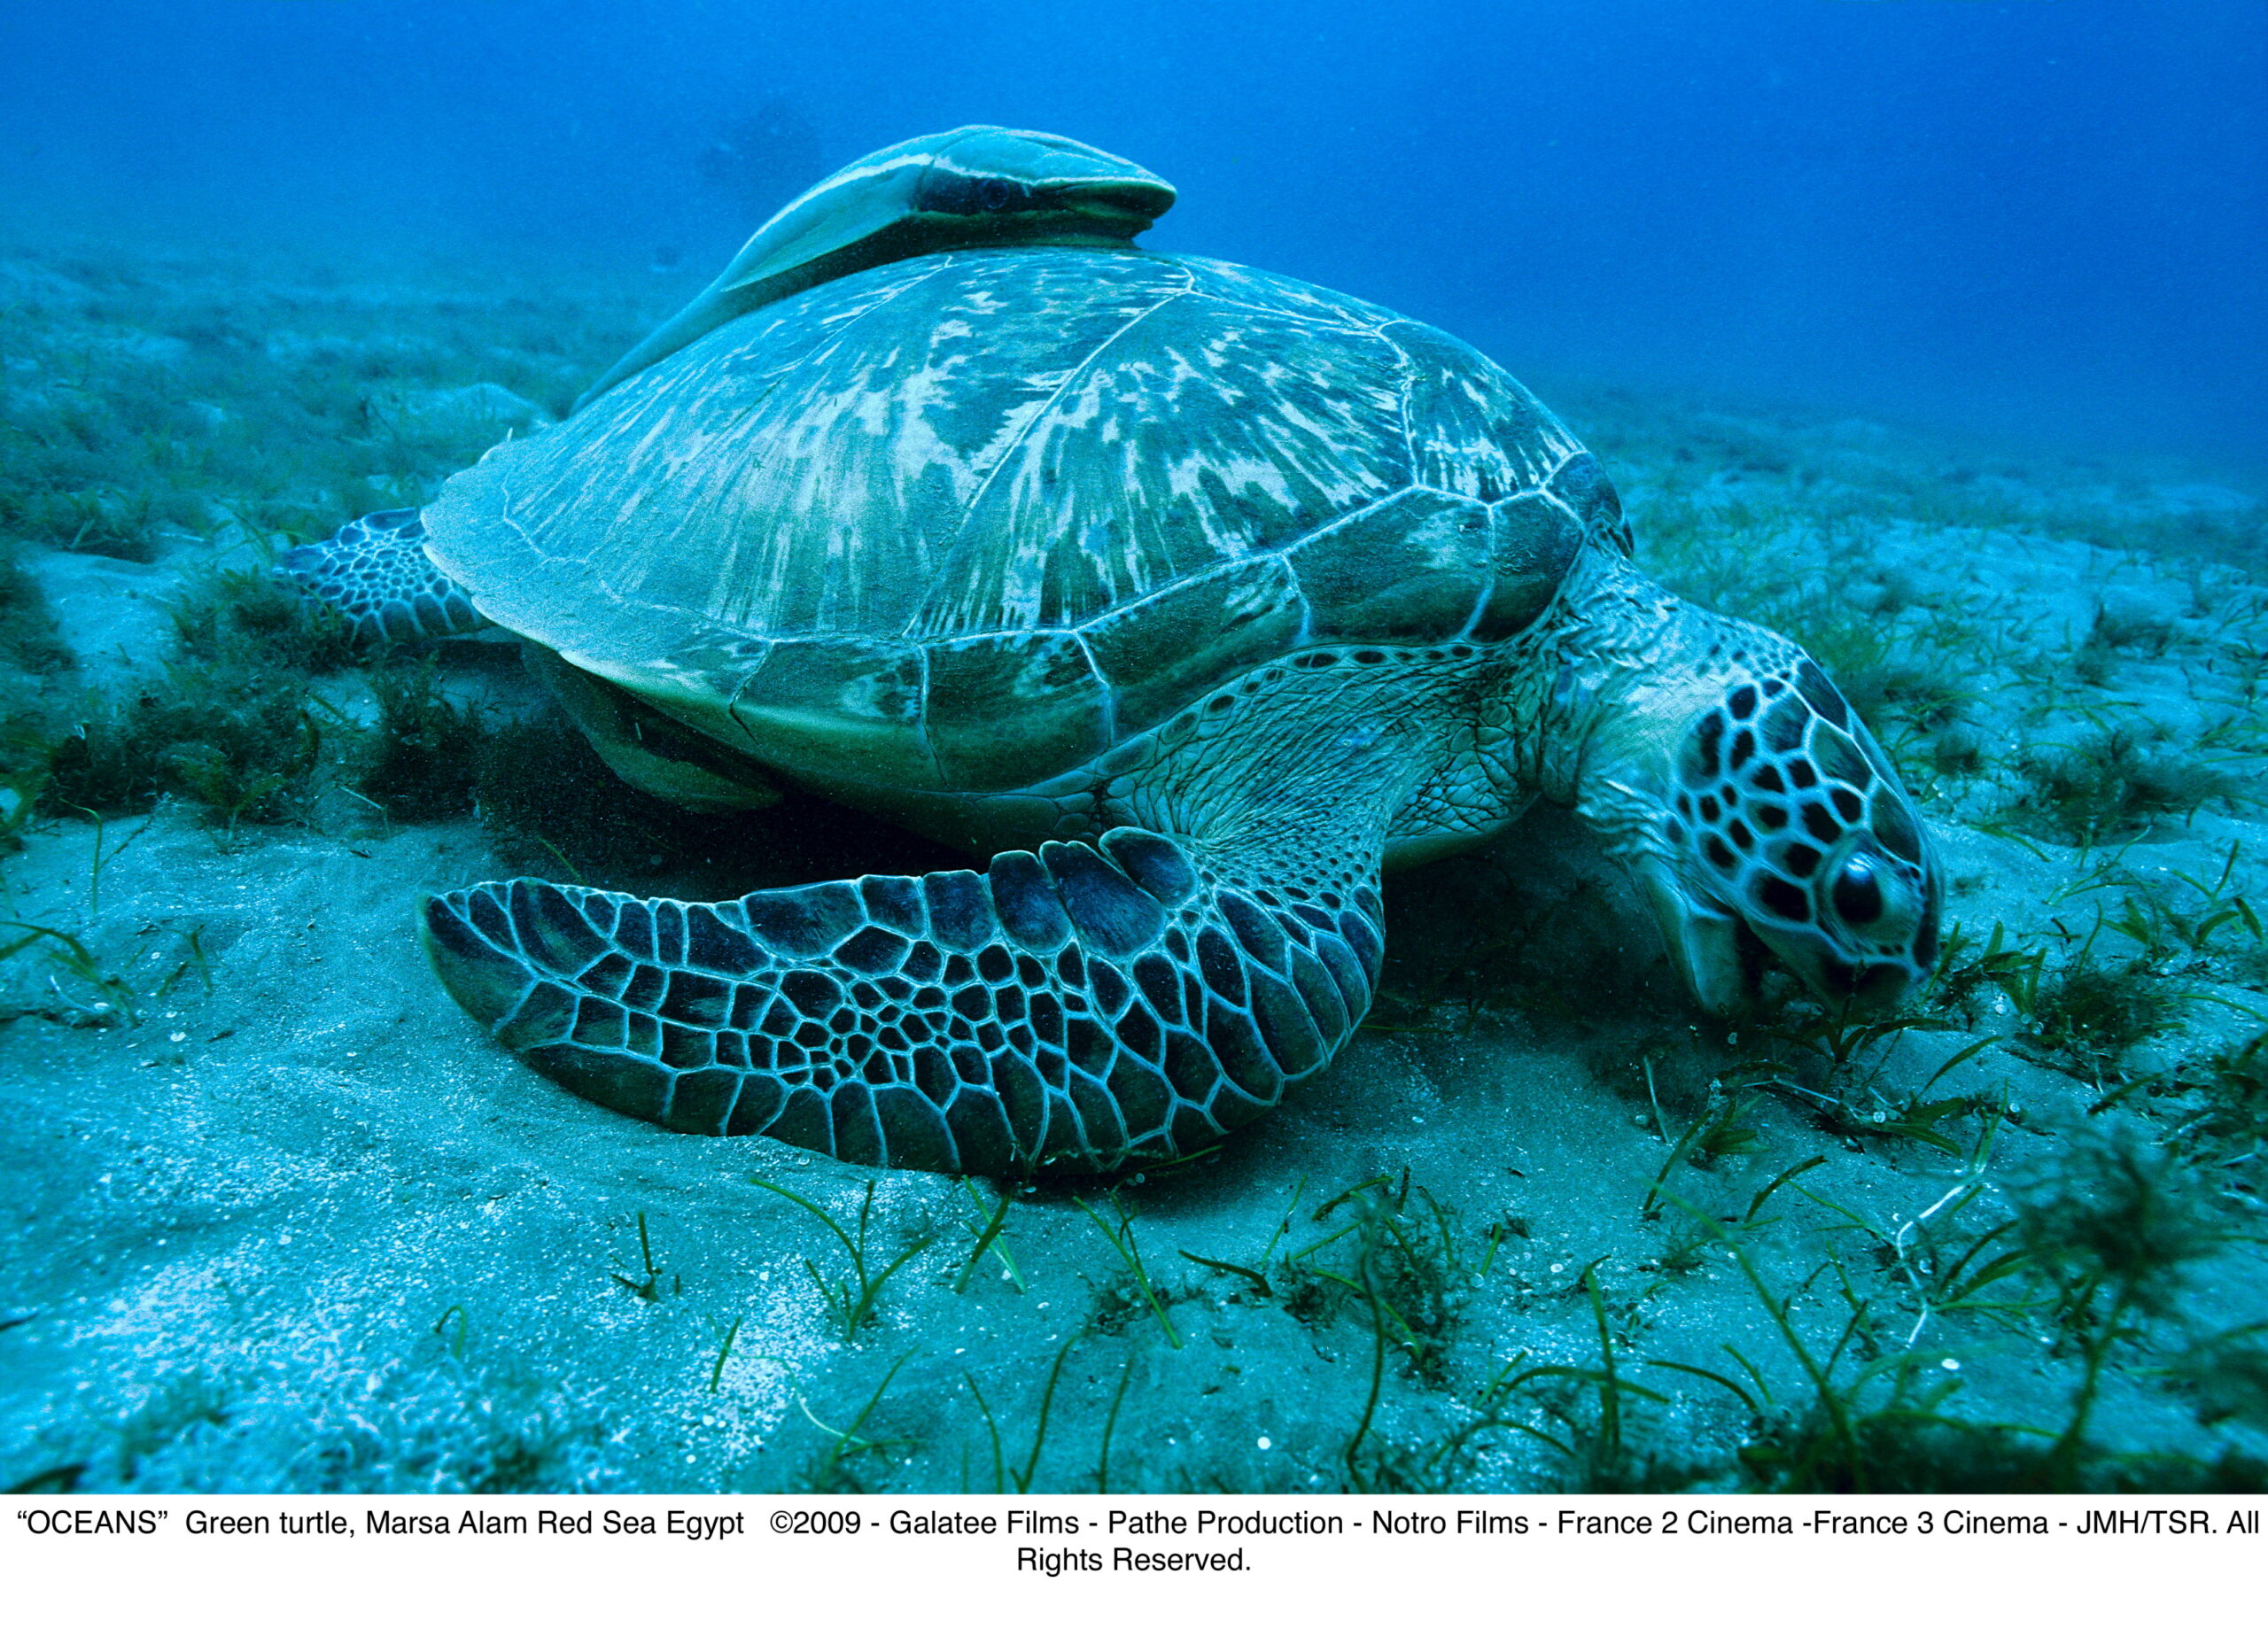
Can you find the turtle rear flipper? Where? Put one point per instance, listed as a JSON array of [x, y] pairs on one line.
[[375, 574], [1076, 1010]]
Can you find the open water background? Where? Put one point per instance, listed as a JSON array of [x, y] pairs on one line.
[[2044, 219]]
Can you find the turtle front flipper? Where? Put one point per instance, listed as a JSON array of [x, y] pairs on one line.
[[375, 574], [1076, 1010]]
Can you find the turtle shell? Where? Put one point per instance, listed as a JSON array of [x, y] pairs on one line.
[[962, 524]]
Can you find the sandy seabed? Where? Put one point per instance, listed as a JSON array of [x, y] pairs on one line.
[[280, 1218]]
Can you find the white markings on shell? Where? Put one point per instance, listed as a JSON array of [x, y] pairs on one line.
[[1028, 447]]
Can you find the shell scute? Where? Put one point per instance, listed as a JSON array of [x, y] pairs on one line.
[[1413, 569], [1043, 684], [1199, 431], [1582, 484], [819, 700], [1535, 537], [1169, 648], [1473, 430]]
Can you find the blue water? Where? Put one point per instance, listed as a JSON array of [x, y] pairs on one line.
[[2043, 219]]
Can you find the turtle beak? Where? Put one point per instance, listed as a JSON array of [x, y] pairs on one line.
[[1703, 939], [1871, 990]]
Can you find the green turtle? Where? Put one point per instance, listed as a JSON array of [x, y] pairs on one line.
[[1192, 598], [974, 185]]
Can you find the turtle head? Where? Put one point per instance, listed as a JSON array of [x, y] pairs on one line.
[[1756, 813], [1782, 817], [986, 184]]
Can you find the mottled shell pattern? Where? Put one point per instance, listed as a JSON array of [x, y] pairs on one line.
[[962, 524]]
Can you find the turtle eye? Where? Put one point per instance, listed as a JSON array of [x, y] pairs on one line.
[[994, 193], [1858, 893]]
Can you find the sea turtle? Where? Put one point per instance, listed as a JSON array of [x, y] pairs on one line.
[[1194, 597]]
